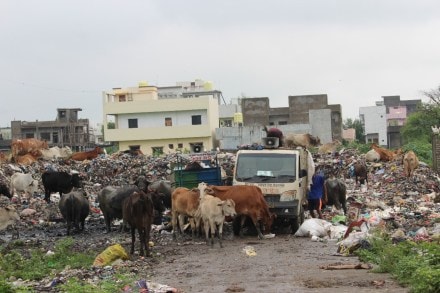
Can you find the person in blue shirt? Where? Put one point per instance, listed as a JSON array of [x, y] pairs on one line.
[[316, 193]]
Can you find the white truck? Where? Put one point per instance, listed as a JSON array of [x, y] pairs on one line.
[[283, 176]]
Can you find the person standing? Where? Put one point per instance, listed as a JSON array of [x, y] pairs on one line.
[[316, 193]]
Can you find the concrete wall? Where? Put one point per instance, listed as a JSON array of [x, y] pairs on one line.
[[255, 111], [321, 124]]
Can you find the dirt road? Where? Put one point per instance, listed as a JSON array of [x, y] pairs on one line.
[[281, 264]]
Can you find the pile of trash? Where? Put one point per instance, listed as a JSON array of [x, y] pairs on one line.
[[405, 208]]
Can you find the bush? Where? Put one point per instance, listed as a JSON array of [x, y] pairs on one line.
[[416, 265]]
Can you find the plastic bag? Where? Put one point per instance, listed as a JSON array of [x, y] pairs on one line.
[[110, 254]]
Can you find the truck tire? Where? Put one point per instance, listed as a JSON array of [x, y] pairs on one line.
[[296, 222]]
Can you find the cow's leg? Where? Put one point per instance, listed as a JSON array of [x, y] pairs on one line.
[[47, 196], [133, 238], [212, 227], [257, 226], [242, 220], [108, 222], [174, 222], [69, 226], [147, 240], [193, 227], [141, 231], [206, 224], [220, 233]]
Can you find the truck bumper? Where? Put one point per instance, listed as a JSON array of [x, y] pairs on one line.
[[285, 209]]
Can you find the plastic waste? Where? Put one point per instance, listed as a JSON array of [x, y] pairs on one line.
[[250, 250], [110, 254]]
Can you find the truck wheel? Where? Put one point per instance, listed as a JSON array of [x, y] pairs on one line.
[[295, 223]]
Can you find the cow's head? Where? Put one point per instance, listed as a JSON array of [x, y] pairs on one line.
[[75, 180], [5, 190]]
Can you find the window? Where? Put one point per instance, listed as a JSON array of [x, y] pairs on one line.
[[282, 123], [55, 137], [45, 136], [132, 123], [29, 135], [134, 147], [168, 121], [157, 151], [180, 145], [121, 98], [196, 119], [171, 146]]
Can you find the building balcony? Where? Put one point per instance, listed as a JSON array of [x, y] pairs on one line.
[[156, 133]]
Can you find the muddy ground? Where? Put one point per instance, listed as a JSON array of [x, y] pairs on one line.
[[282, 264]]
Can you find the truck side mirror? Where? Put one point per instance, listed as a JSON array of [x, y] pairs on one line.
[[302, 173]]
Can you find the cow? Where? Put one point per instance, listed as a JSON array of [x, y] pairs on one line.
[[329, 147], [359, 172], [61, 182], [28, 145], [134, 153], [89, 155], [55, 153], [249, 201], [384, 154], [138, 212], [8, 218], [4, 190], [410, 163], [164, 187], [111, 201], [185, 202], [274, 132], [213, 211], [372, 156], [23, 183], [304, 140], [74, 208], [4, 157], [27, 159], [335, 192]]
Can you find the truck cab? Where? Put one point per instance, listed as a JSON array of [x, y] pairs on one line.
[[282, 174]]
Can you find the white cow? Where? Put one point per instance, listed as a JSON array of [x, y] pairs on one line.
[[8, 217], [56, 153], [213, 211], [23, 183]]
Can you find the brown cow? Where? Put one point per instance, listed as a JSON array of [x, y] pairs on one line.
[[384, 154], [360, 173], [249, 201], [410, 163], [304, 140], [27, 159], [329, 147], [89, 155], [138, 212], [185, 202], [28, 145]]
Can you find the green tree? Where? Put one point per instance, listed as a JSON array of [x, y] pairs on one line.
[[357, 125], [418, 124]]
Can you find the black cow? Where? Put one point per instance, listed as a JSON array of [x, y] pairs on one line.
[[111, 201], [335, 192], [61, 182], [5, 190], [74, 208], [164, 187]]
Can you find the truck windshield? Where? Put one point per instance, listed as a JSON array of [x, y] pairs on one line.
[[263, 167]]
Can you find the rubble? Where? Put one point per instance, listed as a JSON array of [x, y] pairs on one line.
[[405, 208]]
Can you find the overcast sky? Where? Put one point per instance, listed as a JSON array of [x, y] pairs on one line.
[[62, 54]]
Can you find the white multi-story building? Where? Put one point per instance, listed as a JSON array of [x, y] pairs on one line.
[[162, 119], [374, 120]]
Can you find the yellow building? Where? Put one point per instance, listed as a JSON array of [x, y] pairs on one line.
[[162, 120]]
